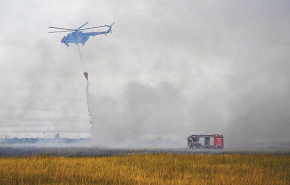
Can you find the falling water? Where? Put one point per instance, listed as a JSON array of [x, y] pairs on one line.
[[88, 104]]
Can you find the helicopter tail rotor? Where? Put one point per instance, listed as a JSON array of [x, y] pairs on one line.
[[110, 29]]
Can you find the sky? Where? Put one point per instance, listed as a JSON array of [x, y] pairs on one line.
[[169, 69]]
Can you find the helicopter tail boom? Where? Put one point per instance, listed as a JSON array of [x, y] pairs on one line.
[[102, 32]]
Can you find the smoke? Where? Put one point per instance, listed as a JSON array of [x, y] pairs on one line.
[[259, 107], [170, 69], [145, 112], [230, 78]]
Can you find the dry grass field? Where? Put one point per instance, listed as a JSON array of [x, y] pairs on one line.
[[147, 169]]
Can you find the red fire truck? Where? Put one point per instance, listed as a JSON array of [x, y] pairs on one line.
[[207, 141]]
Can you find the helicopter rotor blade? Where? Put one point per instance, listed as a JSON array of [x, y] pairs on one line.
[[94, 27], [61, 28], [58, 31], [83, 25]]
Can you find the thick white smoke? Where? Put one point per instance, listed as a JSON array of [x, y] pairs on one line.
[[170, 69], [145, 113]]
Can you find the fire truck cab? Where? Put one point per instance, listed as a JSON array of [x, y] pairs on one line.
[[214, 141]]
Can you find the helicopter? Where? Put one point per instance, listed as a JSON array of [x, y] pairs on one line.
[[77, 36]]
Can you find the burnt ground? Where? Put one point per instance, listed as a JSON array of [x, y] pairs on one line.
[[97, 151]]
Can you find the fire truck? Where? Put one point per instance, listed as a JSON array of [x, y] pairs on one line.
[[215, 141]]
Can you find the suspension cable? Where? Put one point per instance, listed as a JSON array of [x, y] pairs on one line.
[[81, 57]]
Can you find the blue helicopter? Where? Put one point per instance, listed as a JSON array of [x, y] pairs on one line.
[[77, 36]]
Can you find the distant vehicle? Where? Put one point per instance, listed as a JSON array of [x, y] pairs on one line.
[[194, 141], [77, 36]]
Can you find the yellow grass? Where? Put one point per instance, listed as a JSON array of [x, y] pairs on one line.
[[147, 169]]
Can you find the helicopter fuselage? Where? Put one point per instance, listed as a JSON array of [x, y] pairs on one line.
[[79, 37]]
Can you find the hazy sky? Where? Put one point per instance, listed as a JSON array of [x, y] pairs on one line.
[[169, 69]]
